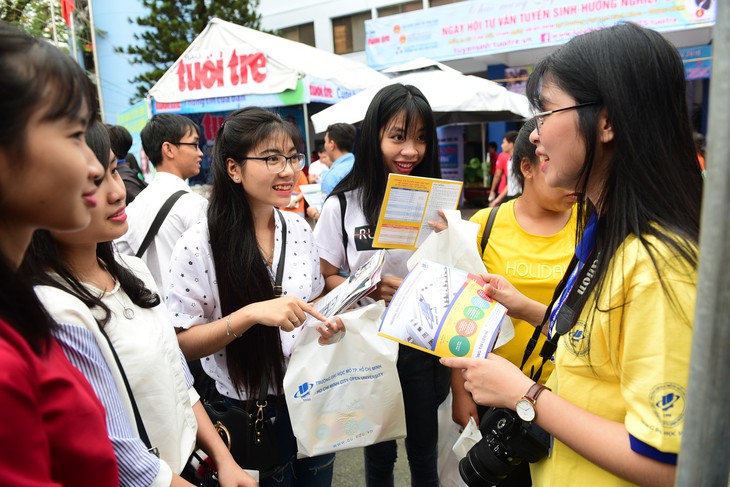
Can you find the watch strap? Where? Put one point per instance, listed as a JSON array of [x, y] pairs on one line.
[[534, 391]]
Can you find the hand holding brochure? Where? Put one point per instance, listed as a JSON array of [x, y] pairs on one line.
[[361, 283], [443, 311]]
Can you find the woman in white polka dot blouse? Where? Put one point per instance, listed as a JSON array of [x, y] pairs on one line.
[[221, 297]]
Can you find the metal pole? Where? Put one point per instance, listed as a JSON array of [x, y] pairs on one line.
[[485, 172], [704, 459], [94, 46], [74, 47], [53, 22], [305, 109]]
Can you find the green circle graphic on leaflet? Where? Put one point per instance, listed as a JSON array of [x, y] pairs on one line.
[[473, 313], [459, 346]]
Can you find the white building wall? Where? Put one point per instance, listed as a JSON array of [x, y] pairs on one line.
[[280, 14]]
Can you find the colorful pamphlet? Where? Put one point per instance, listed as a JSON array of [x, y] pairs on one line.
[[443, 311], [410, 203]]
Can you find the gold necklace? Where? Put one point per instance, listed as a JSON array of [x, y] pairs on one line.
[[268, 257]]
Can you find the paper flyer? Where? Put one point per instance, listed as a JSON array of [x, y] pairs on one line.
[[352, 289], [443, 311], [410, 202], [312, 195]]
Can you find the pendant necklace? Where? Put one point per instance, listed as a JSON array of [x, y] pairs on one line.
[[128, 312]]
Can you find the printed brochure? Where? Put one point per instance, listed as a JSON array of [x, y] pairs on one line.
[[361, 283], [443, 311], [410, 203]]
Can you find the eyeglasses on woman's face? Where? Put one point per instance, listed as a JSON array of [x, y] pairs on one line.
[[277, 163], [540, 117]]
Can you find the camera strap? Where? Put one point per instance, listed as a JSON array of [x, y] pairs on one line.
[[568, 299]]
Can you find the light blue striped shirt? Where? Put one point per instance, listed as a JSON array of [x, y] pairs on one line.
[[137, 466]]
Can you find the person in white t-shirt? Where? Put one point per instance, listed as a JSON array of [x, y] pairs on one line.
[[172, 144], [398, 137], [320, 166]]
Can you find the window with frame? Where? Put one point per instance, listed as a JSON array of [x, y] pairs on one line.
[[400, 8], [303, 33], [438, 3], [348, 32]]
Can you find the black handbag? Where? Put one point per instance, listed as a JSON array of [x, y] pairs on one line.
[[248, 433]]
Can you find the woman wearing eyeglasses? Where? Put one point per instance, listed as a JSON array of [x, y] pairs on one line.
[[222, 295], [616, 130]]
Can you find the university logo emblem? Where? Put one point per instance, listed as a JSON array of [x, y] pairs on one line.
[[303, 390], [668, 402], [578, 339]]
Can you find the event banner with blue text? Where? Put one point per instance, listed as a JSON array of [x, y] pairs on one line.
[[482, 27]]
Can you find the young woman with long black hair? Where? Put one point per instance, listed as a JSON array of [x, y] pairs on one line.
[[531, 242], [108, 309], [398, 136], [53, 430], [616, 130], [222, 296]]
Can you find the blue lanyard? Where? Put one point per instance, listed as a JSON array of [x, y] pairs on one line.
[[582, 251]]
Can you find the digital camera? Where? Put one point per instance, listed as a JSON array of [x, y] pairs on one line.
[[506, 442]]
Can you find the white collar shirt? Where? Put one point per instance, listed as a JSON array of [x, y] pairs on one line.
[[187, 211]]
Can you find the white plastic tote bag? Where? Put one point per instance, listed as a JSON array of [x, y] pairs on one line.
[[347, 394]]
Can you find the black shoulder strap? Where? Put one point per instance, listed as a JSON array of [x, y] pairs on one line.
[[157, 223], [488, 227], [278, 291], [343, 208], [137, 417]]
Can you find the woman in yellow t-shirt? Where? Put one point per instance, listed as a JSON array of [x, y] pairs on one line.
[[531, 243], [615, 129]]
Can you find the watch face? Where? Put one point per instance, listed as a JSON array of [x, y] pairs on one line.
[[525, 410]]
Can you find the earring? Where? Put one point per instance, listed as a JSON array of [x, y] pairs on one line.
[[237, 179]]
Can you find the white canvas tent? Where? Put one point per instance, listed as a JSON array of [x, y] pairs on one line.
[[229, 66], [227, 59], [454, 98]]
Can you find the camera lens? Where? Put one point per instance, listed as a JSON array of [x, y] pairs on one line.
[[487, 463], [492, 459]]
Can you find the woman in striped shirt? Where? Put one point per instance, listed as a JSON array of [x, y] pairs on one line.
[[114, 328]]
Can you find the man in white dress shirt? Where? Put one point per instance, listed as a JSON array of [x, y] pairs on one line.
[[171, 143]]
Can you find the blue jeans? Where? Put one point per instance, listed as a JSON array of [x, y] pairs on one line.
[[425, 383], [309, 472]]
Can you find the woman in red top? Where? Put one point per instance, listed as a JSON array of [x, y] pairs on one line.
[[53, 430]]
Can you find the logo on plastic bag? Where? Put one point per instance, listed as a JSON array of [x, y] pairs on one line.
[[303, 390]]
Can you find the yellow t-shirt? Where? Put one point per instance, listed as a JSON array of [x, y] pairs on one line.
[[534, 264], [632, 365]]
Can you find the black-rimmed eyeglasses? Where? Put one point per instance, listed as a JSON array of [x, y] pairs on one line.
[[540, 117], [191, 144], [278, 163]]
